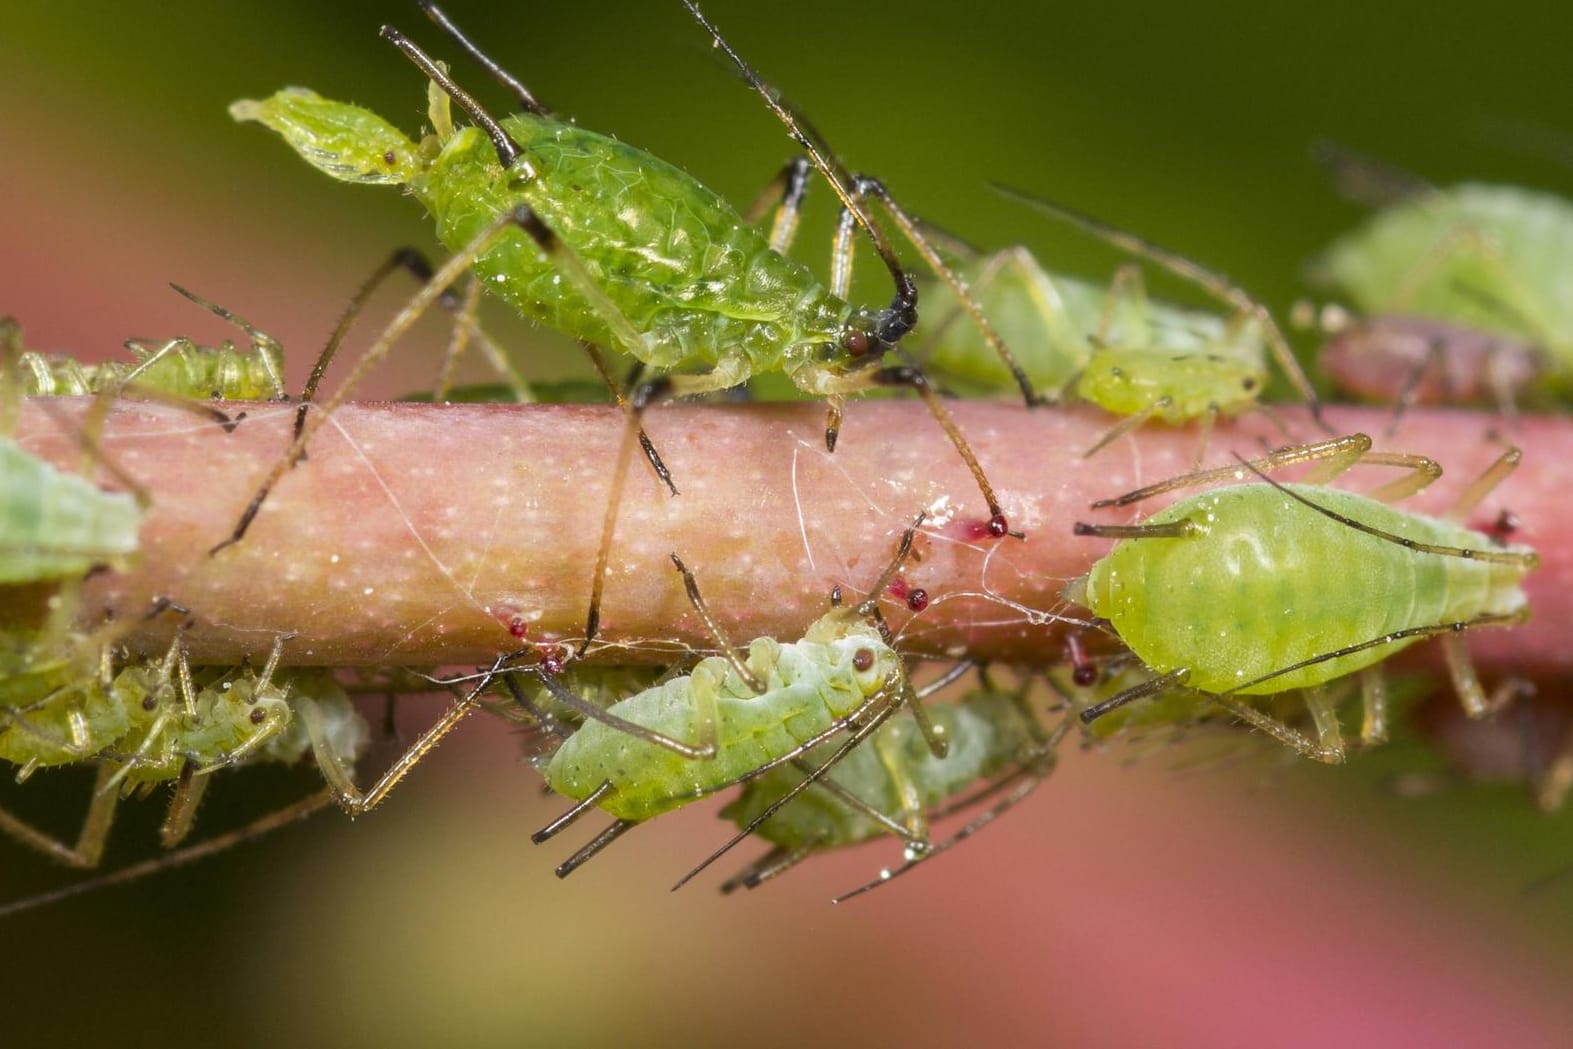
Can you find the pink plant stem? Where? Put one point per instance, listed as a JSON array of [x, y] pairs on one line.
[[419, 535]]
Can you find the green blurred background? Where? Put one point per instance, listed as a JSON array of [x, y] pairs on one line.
[[1123, 905]]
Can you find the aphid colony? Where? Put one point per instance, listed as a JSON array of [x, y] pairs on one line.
[[1254, 603]]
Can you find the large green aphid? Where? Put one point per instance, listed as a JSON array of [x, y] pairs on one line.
[[622, 250], [1484, 259], [1110, 346], [1257, 589], [893, 785], [731, 717]]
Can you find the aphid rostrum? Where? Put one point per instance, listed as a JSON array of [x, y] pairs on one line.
[[580, 231], [1260, 588]]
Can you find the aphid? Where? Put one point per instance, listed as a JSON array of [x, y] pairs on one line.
[[621, 250], [177, 367], [893, 785], [1115, 348], [56, 525], [731, 718], [1257, 589], [1489, 262]]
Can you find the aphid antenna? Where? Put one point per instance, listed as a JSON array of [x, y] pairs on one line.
[[1366, 180], [260, 340], [1210, 280], [713, 625], [527, 100]]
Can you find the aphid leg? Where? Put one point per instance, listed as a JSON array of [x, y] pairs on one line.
[[1211, 281], [704, 700], [1485, 484], [1551, 793], [783, 197], [350, 797], [1329, 743], [265, 346], [772, 864], [1373, 705], [256, 829], [182, 811], [89, 846], [1017, 785], [1128, 424], [1466, 682], [418, 304]]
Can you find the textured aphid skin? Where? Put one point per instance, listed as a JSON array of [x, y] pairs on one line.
[[696, 280], [1377, 357], [1266, 582], [55, 525], [1495, 258], [1150, 350], [809, 685], [988, 731], [226, 372]]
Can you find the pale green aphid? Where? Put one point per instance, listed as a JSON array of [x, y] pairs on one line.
[[1497, 259], [1114, 347], [1257, 589], [893, 785], [1463, 291], [731, 718], [177, 367], [54, 524], [622, 250], [155, 721]]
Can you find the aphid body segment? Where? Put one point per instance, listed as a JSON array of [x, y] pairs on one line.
[[1484, 258], [839, 666], [1260, 588]]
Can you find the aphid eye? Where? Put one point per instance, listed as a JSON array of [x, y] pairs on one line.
[[258, 715], [863, 660], [858, 342], [390, 158], [149, 703], [1085, 675], [1249, 383]]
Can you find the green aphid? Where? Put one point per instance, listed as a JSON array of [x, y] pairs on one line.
[[893, 785], [730, 717], [1257, 589]]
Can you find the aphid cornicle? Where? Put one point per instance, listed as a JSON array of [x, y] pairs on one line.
[[1256, 589], [732, 717], [894, 786], [622, 250]]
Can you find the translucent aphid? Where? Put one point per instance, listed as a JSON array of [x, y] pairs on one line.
[[732, 717], [1117, 349], [894, 786], [57, 525], [620, 250], [1256, 589], [1463, 290]]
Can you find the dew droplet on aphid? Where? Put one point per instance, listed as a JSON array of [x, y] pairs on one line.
[[518, 627], [918, 599], [862, 660]]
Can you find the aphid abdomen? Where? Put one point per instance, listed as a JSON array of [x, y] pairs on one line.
[[54, 524], [1129, 381], [1267, 582], [687, 271], [54, 710], [53, 375]]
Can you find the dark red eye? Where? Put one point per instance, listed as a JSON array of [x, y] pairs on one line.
[[918, 599], [257, 716], [862, 660], [857, 343], [1084, 675], [390, 158]]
